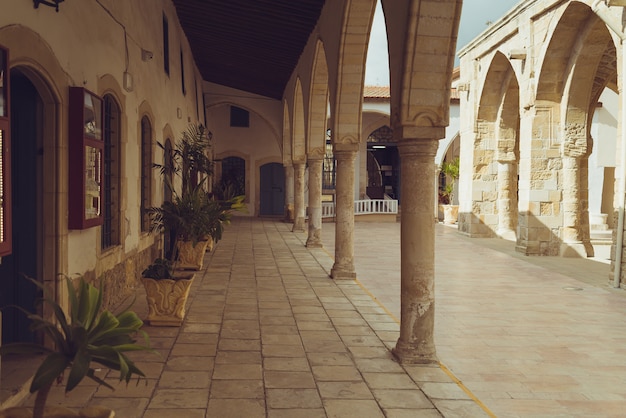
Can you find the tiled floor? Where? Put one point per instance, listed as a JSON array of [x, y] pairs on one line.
[[528, 336], [268, 334]]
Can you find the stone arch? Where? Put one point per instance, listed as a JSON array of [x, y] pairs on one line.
[[348, 97], [541, 161], [108, 85], [145, 158], [33, 57], [298, 136], [318, 105], [298, 149], [420, 72], [495, 154], [591, 67], [287, 163]]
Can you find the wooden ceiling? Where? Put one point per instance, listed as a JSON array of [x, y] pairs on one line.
[[250, 45]]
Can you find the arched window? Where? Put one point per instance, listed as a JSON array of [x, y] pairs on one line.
[[111, 168], [146, 172], [233, 182]]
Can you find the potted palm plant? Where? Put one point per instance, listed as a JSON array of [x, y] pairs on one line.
[[450, 210], [88, 335], [166, 293]]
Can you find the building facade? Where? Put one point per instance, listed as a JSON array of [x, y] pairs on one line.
[[541, 153], [90, 91]]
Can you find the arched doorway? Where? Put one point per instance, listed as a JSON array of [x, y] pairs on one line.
[[272, 202], [27, 134]]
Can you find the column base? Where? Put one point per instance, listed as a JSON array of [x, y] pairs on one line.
[[406, 354], [507, 234], [342, 273], [289, 213], [298, 225], [314, 244], [576, 249]]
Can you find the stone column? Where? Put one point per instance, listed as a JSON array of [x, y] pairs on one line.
[[298, 190], [344, 215], [315, 203], [417, 251], [506, 227], [289, 186], [572, 237]]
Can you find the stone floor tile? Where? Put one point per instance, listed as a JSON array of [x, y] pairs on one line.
[[190, 363], [314, 325], [280, 350], [123, 407], [134, 389], [293, 398], [236, 389], [179, 399], [295, 364], [281, 339], [234, 344], [330, 359], [237, 371], [296, 413], [191, 338], [363, 341], [443, 390], [389, 381], [236, 408], [184, 379], [288, 379], [322, 346], [402, 398], [336, 408], [427, 373], [193, 350], [413, 413], [470, 409], [238, 357], [336, 373], [328, 335], [162, 413], [369, 352], [378, 365], [344, 390], [280, 329], [241, 334], [201, 328]]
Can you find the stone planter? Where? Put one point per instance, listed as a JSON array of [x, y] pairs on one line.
[[167, 299], [59, 412], [450, 214], [191, 257]]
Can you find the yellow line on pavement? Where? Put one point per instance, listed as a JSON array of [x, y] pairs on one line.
[[441, 365]]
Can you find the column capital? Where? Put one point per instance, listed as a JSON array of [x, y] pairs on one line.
[[345, 154], [418, 147], [407, 132]]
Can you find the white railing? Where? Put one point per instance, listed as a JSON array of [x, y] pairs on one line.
[[364, 207]]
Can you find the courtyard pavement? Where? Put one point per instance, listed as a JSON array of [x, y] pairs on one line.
[[268, 334]]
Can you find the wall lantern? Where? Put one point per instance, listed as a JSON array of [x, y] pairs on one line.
[[50, 3]]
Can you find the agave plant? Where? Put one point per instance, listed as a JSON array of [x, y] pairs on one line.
[[87, 336]]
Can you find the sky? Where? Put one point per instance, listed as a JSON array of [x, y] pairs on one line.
[[475, 16]]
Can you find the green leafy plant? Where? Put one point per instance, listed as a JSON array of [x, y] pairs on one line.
[[88, 335], [161, 268], [451, 170]]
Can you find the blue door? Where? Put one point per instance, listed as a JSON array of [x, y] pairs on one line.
[[272, 190]]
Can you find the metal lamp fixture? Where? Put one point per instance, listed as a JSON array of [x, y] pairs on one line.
[[50, 3]]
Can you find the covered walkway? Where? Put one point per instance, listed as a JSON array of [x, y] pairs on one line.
[[268, 334]]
